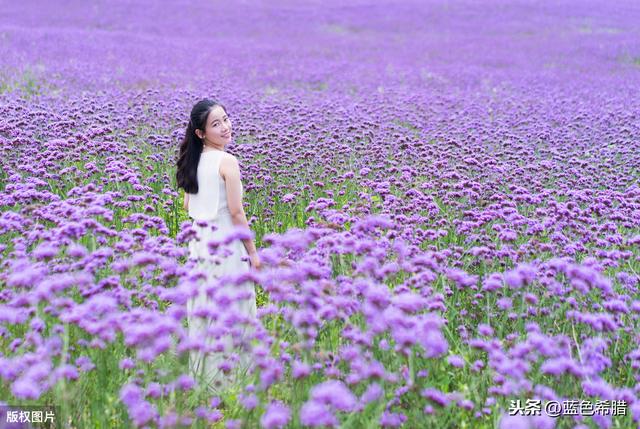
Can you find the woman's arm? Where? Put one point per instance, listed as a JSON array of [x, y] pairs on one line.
[[234, 199], [186, 201]]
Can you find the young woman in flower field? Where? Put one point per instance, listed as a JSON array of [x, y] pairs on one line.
[[213, 196]]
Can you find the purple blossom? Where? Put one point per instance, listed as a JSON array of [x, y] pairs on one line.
[[334, 393], [300, 369], [373, 393], [435, 395], [455, 360], [249, 402], [317, 414], [485, 330], [392, 420], [277, 415]]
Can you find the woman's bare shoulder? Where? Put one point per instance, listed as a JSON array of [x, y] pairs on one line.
[[228, 163]]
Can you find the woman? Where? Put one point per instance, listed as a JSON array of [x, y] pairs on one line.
[[210, 178]]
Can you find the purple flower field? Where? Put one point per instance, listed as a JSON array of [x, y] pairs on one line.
[[445, 196]]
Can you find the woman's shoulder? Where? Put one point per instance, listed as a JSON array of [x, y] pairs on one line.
[[228, 158], [228, 163]]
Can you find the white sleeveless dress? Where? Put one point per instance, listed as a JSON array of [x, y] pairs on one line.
[[210, 205]]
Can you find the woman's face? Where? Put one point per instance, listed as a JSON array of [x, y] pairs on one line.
[[217, 128]]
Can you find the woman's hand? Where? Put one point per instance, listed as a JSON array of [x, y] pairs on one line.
[[255, 261]]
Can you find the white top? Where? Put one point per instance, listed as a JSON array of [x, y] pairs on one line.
[[211, 199]]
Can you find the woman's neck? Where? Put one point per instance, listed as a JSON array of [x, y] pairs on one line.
[[211, 149]]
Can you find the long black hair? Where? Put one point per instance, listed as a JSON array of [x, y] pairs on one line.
[[191, 146]]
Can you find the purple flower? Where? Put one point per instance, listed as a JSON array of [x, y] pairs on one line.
[[238, 233], [67, 371], [154, 390], [484, 329], [130, 394], [277, 415], [25, 388], [142, 412], [515, 422], [599, 388], [45, 250], [603, 421], [270, 374], [127, 363], [513, 279], [233, 424], [24, 274], [432, 341], [507, 235], [455, 360], [84, 363], [392, 420], [504, 303], [76, 250], [170, 419], [435, 395], [335, 393], [249, 402], [558, 366], [461, 278], [185, 382], [373, 393], [287, 198], [300, 369], [143, 258], [316, 414]]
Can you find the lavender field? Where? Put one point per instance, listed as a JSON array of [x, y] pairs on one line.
[[445, 196]]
